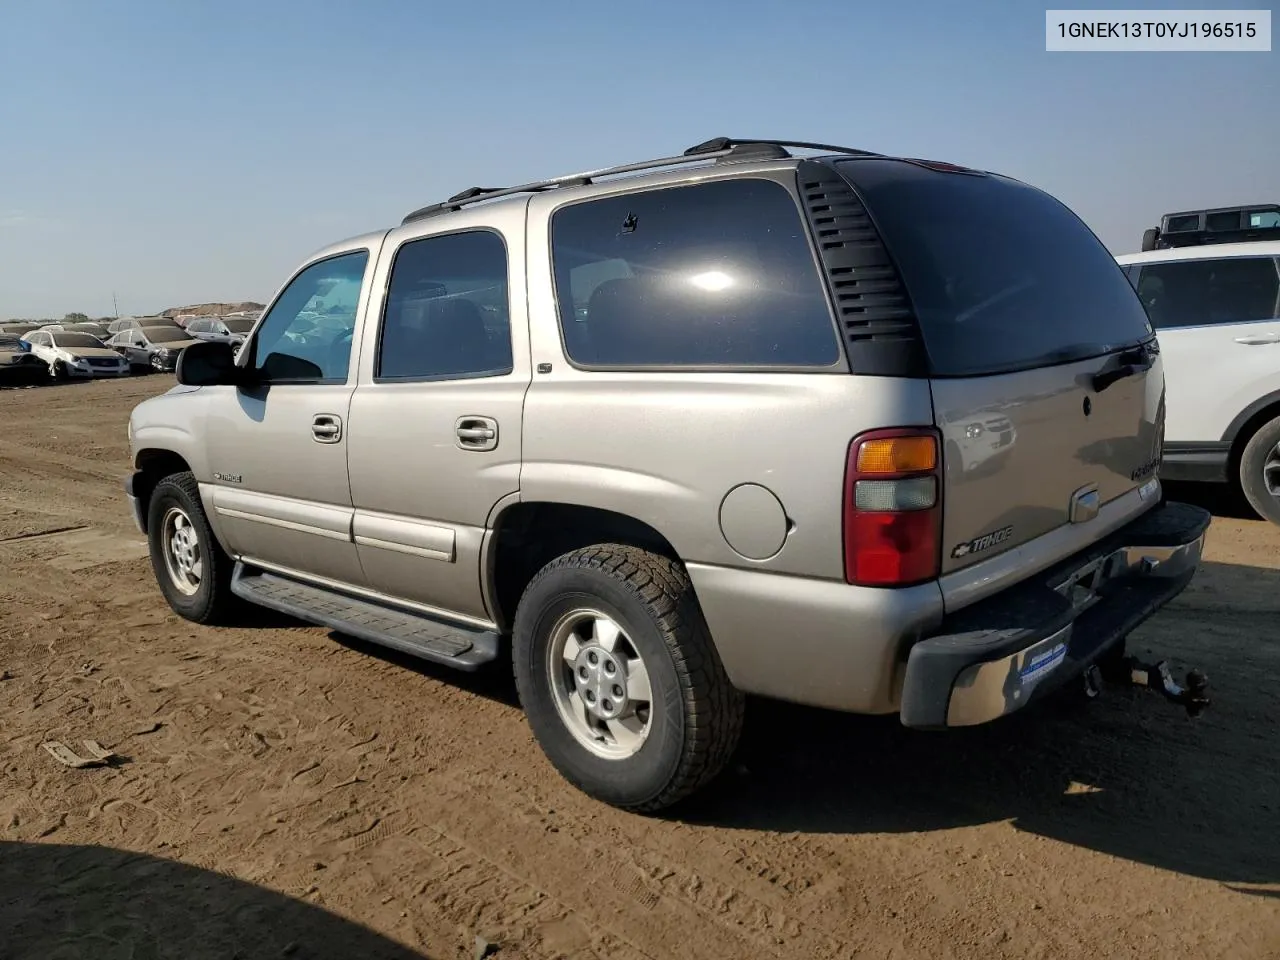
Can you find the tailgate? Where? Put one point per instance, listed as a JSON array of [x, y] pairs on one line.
[[1025, 453]]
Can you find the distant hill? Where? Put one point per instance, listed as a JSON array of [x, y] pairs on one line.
[[213, 309]]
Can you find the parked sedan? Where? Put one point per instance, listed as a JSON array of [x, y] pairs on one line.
[[152, 348], [19, 367], [134, 323], [75, 355], [232, 330], [93, 329]]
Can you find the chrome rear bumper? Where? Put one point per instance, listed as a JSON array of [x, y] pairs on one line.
[[998, 655]]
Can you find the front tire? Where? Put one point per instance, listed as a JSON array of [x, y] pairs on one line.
[[1260, 471], [619, 678], [191, 568]]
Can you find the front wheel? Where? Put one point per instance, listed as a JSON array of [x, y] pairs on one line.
[[58, 370], [620, 680], [1260, 470], [192, 569], [157, 364]]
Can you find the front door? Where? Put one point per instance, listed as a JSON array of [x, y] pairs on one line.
[[435, 422], [278, 450]]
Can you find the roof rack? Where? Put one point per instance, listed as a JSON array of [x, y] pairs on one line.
[[719, 149], [1191, 228]]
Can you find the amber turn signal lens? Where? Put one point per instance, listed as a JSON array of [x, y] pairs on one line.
[[897, 455]]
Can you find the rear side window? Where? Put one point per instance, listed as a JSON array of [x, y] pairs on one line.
[[447, 314], [712, 275], [1001, 276], [1194, 293]]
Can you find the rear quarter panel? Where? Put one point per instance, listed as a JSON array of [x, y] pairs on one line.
[[667, 447]]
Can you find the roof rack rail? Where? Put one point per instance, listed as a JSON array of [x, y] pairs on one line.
[[1192, 228], [717, 149], [728, 143]]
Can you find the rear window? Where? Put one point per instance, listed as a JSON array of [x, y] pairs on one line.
[[1001, 276]]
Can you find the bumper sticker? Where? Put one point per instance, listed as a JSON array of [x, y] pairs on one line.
[[1042, 663]]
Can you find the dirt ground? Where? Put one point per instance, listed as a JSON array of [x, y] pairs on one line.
[[287, 792]]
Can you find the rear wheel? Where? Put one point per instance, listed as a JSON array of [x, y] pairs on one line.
[[1260, 470], [618, 676], [192, 569]]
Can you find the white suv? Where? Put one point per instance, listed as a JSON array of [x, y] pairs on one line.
[[1210, 282]]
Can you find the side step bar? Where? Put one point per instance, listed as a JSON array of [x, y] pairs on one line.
[[465, 648]]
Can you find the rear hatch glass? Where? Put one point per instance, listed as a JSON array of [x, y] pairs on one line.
[[1019, 306], [1001, 275]]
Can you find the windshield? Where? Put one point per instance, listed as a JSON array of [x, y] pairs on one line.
[[238, 326], [1001, 276], [166, 335], [75, 340]]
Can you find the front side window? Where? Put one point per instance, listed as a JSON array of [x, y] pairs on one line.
[[1193, 293], [447, 314], [718, 274], [307, 333]]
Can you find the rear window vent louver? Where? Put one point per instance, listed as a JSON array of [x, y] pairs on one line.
[[872, 307]]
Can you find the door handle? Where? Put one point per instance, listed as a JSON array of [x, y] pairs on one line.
[[476, 433], [326, 428], [1259, 339]]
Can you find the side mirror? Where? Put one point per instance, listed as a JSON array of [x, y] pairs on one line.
[[208, 363]]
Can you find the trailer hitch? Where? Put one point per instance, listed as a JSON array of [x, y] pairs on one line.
[[1192, 694]]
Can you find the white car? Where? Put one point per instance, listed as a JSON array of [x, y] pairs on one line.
[[1210, 282], [78, 355]]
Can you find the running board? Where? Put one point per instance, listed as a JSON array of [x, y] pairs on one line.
[[465, 648]]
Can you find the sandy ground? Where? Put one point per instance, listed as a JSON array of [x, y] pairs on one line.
[[287, 792]]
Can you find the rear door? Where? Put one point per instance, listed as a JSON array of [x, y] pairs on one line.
[[436, 420], [1048, 402], [1219, 336]]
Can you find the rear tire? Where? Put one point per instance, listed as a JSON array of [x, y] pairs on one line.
[[1259, 471], [191, 568], [1149, 239], [626, 614]]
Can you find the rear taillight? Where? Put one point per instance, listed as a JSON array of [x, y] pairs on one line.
[[893, 508]]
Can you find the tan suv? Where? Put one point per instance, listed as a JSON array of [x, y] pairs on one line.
[[867, 433]]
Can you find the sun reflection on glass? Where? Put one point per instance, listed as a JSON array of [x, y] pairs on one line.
[[712, 280]]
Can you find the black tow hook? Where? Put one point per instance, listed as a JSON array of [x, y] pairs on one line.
[[1192, 694]]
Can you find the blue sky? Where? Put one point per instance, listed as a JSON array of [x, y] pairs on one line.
[[174, 152]]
